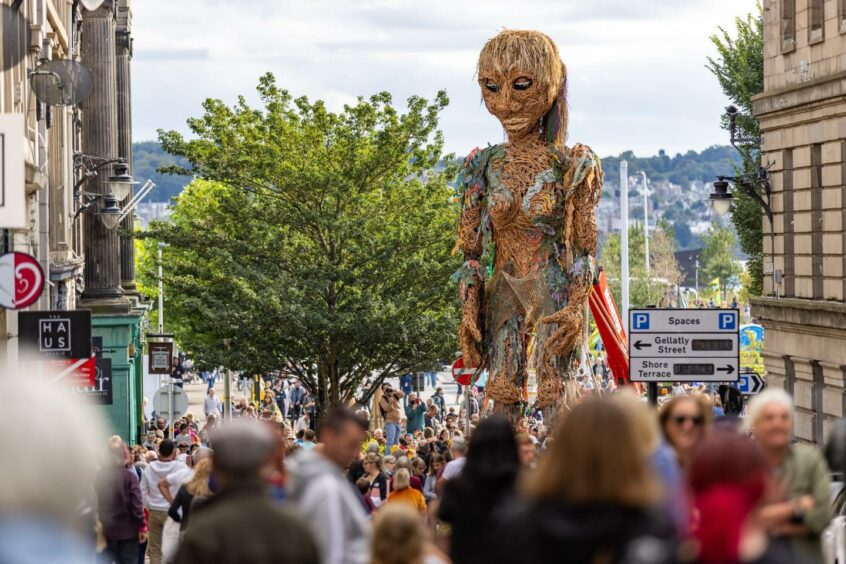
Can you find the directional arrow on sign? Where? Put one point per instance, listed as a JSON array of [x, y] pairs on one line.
[[641, 345], [757, 383], [728, 369], [750, 382]]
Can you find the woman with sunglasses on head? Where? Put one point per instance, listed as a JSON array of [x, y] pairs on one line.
[[685, 420]]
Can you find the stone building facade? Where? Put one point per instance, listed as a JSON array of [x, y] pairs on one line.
[[802, 114], [51, 139], [90, 266]]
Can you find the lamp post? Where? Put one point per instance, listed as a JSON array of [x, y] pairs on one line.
[[645, 221], [697, 279], [721, 198], [161, 293], [624, 237]]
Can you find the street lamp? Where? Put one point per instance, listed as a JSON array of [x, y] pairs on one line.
[[110, 213], [121, 182], [721, 198]]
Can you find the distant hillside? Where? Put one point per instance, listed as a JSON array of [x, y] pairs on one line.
[[147, 156], [679, 169]]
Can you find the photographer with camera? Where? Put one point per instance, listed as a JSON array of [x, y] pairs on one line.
[[414, 413], [390, 409]]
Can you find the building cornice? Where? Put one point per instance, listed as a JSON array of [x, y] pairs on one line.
[[810, 95], [817, 317]]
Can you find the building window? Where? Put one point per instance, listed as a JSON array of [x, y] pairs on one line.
[[815, 14], [841, 15], [788, 25]]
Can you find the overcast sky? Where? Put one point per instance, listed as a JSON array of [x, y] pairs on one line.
[[636, 67]]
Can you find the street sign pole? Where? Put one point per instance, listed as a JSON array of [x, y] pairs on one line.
[[170, 404], [467, 408], [227, 392], [652, 393]]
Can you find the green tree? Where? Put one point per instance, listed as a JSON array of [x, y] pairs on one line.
[[739, 68], [644, 290], [313, 242], [718, 257]]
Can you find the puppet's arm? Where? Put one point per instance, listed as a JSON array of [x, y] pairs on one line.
[[470, 275], [584, 176]]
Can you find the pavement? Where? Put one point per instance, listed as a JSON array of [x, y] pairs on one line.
[[197, 392]]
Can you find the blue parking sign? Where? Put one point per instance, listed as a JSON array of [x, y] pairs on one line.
[[728, 321], [640, 320]]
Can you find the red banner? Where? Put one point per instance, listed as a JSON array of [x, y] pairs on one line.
[[611, 329]]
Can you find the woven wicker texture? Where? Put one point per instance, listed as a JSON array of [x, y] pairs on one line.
[[527, 229]]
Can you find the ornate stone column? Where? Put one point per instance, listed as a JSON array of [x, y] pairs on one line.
[[123, 45], [99, 139]]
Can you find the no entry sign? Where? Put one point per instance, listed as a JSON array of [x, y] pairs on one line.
[[21, 280], [462, 374]]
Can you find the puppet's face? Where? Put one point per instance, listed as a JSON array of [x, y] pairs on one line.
[[516, 99]]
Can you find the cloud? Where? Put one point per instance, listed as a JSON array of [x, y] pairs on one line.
[[187, 54], [636, 66]]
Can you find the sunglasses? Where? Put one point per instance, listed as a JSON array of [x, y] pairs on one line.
[[695, 419]]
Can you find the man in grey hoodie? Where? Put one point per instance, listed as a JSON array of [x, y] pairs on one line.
[[155, 501], [325, 498]]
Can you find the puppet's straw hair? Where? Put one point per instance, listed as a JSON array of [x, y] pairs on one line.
[[533, 52]]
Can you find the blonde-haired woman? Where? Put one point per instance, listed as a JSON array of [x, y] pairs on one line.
[[196, 488], [581, 502], [399, 538], [404, 493]]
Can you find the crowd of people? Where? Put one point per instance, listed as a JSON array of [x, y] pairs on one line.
[[614, 480]]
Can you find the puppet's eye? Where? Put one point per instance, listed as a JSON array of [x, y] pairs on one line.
[[522, 83], [492, 86]]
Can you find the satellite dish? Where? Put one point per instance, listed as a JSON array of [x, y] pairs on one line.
[[61, 82], [15, 35]]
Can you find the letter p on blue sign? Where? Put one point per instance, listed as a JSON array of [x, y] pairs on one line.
[[728, 321], [640, 320]]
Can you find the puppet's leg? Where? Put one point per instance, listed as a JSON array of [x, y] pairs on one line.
[[508, 370]]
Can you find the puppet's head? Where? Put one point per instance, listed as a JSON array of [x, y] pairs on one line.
[[524, 84]]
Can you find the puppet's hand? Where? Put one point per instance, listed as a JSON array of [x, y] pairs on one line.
[[565, 338], [570, 320]]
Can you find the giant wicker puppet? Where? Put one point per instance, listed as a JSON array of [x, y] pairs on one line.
[[527, 229]]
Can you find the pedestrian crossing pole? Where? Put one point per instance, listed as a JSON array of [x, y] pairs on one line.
[[467, 407]]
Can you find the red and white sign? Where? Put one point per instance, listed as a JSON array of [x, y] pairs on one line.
[[21, 280], [75, 371], [462, 374]]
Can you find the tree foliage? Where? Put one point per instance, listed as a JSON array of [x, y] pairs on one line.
[[312, 242], [739, 69], [718, 257], [644, 289]]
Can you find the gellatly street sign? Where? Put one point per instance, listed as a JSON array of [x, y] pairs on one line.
[[684, 345]]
